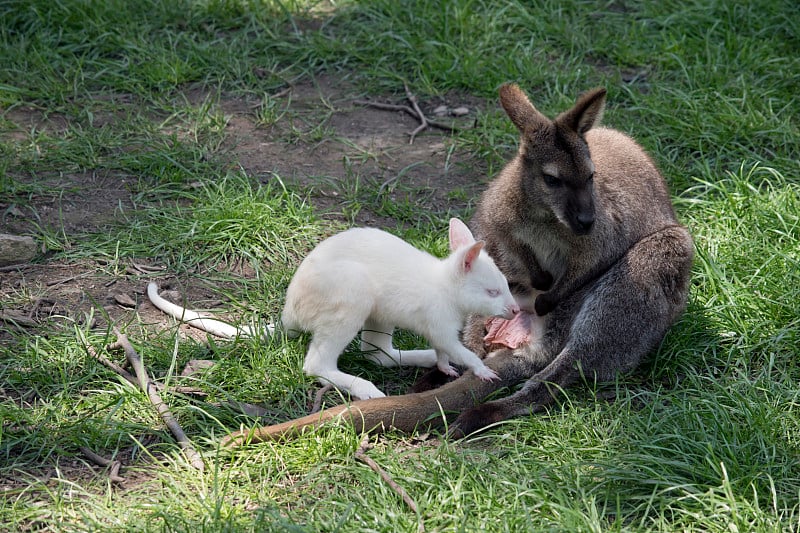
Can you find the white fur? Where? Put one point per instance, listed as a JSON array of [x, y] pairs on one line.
[[371, 280]]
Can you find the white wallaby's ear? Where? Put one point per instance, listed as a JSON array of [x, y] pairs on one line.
[[470, 256], [460, 235], [520, 110], [586, 113]]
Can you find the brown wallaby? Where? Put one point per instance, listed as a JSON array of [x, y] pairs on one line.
[[581, 223]]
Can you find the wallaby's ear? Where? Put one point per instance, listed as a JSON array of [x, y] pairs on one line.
[[470, 256], [519, 109], [586, 113], [460, 235]]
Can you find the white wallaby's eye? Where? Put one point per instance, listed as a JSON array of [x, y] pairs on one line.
[[551, 181], [494, 293]]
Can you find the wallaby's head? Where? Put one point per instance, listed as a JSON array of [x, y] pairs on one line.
[[554, 162], [481, 288]]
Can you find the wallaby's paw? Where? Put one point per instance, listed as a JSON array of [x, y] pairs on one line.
[[485, 373], [365, 391], [448, 369]]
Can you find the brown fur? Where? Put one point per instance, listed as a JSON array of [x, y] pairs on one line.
[[596, 250]]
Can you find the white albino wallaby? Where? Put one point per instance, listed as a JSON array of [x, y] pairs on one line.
[[367, 279]]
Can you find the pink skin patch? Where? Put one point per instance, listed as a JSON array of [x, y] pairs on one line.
[[510, 333]]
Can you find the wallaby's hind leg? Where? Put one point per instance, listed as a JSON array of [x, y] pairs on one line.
[[323, 355], [376, 339]]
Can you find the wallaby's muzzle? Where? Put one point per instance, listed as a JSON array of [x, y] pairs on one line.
[[580, 213], [583, 223]]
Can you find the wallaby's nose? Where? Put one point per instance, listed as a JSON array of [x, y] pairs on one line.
[[585, 221], [511, 311]]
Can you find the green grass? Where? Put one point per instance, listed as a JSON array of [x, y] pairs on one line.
[[705, 437]]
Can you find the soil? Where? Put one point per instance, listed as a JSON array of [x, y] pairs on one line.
[[358, 142]]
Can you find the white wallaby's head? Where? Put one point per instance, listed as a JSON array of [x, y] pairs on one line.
[[554, 161], [482, 288]]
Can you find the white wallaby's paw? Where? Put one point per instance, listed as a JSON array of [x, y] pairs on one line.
[[448, 369], [485, 373], [365, 391]]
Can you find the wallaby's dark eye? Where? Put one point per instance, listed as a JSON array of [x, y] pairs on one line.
[[551, 181]]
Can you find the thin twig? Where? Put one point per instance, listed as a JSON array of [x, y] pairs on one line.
[[423, 121], [388, 107], [318, 398], [112, 365], [133, 380], [67, 279], [147, 269], [361, 455], [113, 473], [149, 387], [17, 319], [413, 110], [12, 268]]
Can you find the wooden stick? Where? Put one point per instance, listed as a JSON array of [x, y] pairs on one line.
[[111, 365], [413, 110], [423, 122], [388, 107], [361, 455], [133, 380], [113, 473], [12, 268], [17, 319], [318, 398], [151, 390]]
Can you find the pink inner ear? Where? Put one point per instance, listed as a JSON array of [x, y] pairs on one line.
[[460, 235], [472, 255]]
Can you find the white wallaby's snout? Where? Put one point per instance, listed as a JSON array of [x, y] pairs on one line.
[[511, 310]]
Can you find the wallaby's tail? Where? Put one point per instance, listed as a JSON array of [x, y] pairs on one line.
[[199, 321], [404, 413], [376, 415]]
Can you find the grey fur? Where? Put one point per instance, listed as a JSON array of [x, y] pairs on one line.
[[615, 289]]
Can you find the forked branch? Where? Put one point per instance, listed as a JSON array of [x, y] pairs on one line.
[[413, 110], [155, 398]]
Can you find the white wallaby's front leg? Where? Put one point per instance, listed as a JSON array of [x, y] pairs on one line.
[[443, 364], [461, 355]]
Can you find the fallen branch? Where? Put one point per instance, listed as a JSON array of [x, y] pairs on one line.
[[113, 473], [150, 389], [12, 268], [361, 455], [17, 319], [111, 365], [67, 279], [318, 398], [413, 110]]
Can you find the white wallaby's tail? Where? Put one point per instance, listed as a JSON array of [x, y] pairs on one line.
[[207, 324]]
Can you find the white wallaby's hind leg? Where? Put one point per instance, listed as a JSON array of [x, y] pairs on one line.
[[376, 340], [321, 362]]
